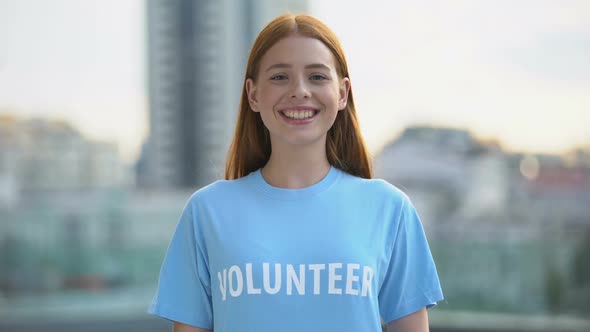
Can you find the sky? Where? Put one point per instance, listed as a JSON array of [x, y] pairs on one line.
[[513, 71]]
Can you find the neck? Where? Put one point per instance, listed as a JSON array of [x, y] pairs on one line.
[[296, 167]]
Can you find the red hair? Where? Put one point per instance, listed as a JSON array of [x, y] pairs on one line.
[[250, 148]]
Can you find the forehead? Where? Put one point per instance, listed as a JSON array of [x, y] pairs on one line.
[[298, 50]]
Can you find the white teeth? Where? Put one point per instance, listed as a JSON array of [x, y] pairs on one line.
[[298, 115]]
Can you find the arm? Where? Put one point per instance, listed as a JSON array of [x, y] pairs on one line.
[[179, 327], [416, 322]]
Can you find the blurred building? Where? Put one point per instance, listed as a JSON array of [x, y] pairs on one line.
[[452, 177], [43, 155], [579, 157], [557, 194], [197, 52], [447, 173], [508, 230], [93, 239]]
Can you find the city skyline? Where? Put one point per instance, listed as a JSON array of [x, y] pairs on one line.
[[518, 74]]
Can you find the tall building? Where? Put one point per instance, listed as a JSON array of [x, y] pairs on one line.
[[197, 52]]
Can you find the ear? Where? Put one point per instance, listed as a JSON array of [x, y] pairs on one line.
[[251, 92], [343, 91]]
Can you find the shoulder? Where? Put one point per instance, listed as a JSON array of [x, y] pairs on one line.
[[375, 189], [222, 190]]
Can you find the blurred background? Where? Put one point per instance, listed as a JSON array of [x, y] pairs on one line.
[[113, 112]]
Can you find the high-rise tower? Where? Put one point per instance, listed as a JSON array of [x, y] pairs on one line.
[[197, 52]]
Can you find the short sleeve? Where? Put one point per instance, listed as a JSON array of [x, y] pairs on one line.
[[411, 281], [184, 289]]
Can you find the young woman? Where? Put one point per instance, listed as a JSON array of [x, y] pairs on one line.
[[298, 237]]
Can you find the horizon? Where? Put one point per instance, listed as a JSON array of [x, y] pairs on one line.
[[485, 141]]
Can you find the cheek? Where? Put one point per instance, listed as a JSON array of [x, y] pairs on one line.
[[331, 96], [270, 96]]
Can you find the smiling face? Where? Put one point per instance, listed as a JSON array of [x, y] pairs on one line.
[[298, 91]]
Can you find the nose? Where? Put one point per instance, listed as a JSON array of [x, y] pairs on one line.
[[299, 89]]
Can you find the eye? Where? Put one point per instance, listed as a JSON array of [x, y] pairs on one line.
[[318, 77], [278, 77]]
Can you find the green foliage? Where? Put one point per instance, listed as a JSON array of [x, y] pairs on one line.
[[581, 275], [554, 289], [581, 264]]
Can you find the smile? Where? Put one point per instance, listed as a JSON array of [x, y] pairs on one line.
[[299, 114]]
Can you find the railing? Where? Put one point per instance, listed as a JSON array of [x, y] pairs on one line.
[[439, 322], [462, 321], [125, 310]]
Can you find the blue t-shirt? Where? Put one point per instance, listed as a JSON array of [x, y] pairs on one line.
[[335, 256]]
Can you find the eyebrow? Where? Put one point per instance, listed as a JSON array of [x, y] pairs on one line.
[[310, 66]]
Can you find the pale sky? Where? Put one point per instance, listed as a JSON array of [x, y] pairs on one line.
[[516, 71]]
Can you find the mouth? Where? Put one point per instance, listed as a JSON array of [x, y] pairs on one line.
[[299, 113]]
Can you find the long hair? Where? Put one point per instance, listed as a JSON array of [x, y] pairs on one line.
[[250, 148]]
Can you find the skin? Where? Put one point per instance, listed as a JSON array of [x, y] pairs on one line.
[[300, 72], [179, 327], [297, 72], [417, 322]]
